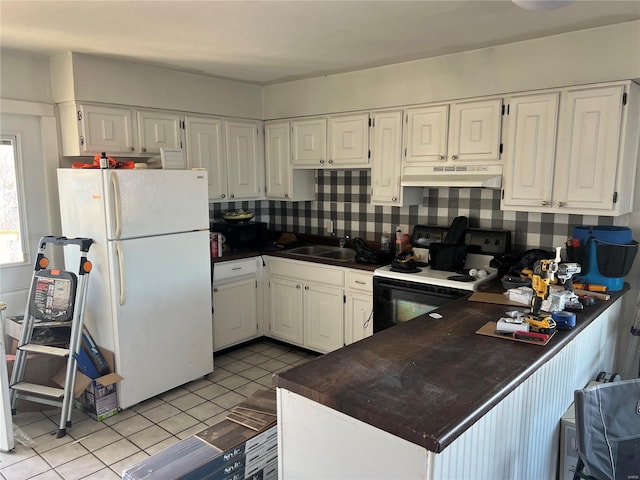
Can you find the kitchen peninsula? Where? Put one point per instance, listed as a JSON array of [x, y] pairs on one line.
[[432, 399]]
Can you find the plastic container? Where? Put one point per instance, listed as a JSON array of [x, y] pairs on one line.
[[606, 254]]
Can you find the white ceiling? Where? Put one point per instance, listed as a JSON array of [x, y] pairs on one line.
[[266, 42]]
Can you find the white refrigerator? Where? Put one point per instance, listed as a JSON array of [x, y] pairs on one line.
[[149, 293]]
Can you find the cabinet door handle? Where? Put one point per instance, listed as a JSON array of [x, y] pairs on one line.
[[394, 199], [232, 196], [454, 157], [361, 282], [562, 204], [286, 195], [321, 161], [298, 286], [330, 161], [236, 268], [544, 203], [306, 287], [144, 149], [440, 157], [215, 289], [131, 149], [224, 195]]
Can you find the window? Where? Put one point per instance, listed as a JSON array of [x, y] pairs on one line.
[[12, 221]]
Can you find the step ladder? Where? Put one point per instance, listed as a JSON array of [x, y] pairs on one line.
[[56, 297]]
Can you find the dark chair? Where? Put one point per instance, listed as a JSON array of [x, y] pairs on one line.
[[608, 431]]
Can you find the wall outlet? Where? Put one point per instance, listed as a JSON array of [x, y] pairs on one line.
[[328, 226]]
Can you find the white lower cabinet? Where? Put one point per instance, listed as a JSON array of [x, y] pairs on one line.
[[306, 304], [323, 317], [286, 311], [235, 302], [358, 322]]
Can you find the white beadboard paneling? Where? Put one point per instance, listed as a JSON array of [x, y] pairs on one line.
[[519, 438]]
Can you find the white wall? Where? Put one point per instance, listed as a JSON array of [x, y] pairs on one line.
[[588, 56], [96, 79], [24, 77]]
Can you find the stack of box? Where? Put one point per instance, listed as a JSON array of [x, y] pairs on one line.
[[226, 451], [95, 387]]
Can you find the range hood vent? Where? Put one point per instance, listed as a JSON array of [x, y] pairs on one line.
[[484, 176]]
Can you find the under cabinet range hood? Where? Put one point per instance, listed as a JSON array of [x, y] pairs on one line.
[[485, 176]]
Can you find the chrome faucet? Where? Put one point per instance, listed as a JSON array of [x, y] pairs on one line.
[[343, 241]]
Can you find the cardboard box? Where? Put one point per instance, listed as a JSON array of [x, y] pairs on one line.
[[96, 397]]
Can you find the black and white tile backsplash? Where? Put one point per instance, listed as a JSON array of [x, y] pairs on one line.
[[343, 197]]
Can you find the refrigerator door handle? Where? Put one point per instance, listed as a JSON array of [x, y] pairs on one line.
[[116, 204], [121, 271]]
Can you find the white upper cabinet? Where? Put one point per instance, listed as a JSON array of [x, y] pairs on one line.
[[426, 135], [232, 153], [157, 130], [588, 166], [530, 145], [455, 133], [87, 129], [309, 142], [346, 145], [205, 149], [283, 182], [588, 144], [386, 161], [474, 134], [245, 160], [348, 142]]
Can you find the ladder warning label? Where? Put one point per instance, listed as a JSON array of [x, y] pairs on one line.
[[53, 296]]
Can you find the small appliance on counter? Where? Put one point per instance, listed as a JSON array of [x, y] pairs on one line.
[[241, 236]]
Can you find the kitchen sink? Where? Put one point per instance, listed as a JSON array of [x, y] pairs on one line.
[[324, 251], [345, 254], [313, 250]]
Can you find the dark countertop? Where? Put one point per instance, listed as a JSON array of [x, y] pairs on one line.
[[428, 380], [237, 255]]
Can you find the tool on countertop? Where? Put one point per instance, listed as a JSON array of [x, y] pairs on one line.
[[544, 273]]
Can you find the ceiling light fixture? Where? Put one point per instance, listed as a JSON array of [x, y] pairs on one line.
[[542, 4]]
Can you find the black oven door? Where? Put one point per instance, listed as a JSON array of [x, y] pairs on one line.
[[396, 301]]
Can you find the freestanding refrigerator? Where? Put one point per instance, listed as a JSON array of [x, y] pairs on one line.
[[149, 296]]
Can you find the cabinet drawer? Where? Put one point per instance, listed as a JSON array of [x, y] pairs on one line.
[[232, 269], [307, 272], [360, 281]]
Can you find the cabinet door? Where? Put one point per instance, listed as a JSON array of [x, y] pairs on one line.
[[530, 145], [234, 312], [348, 140], [475, 131], [309, 142], [386, 157], [588, 148], [285, 298], [323, 318], [359, 317], [106, 129], [243, 162], [426, 135], [157, 130], [205, 150], [277, 159]]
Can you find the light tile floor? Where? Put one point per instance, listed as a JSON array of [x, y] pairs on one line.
[[102, 450]]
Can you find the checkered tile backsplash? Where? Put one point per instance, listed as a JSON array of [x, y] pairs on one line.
[[343, 197]]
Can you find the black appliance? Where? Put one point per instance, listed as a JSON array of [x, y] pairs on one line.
[[396, 301], [241, 236]]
